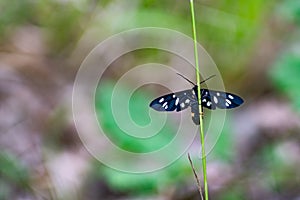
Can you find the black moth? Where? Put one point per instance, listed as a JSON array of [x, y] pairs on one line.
[[210, 99]]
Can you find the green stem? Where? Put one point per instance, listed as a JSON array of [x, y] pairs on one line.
[[199, 101]]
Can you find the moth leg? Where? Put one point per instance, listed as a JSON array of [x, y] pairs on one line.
[[201, 113]]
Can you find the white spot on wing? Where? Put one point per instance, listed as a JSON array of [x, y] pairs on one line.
[[164, 104], [161, 100], [208, 103], [226, 104], [187, 101], [182, 105], [218, 93], [215, 99], [228, 101], [166, 107], [230, 96], [204, 100], [174, 96], [176, 102]]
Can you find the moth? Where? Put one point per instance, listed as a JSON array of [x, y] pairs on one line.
[[210, 99]]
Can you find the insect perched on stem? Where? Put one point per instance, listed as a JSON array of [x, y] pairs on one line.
[[210, 99]]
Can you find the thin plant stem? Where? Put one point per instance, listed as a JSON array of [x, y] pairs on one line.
[[196, 177], [199, 101]]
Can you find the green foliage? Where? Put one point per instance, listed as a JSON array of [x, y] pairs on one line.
[[278, 173], [228, 30], [12, 170], [14, 12], [234, 193], [5, 190], [150, 17], [290, 9], [62, 21], [285, 75], [224, 148], [146, 183], [286, 69], [12, 173], [222, 26], [138, 108]]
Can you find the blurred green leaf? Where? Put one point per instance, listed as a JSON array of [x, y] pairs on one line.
[[290, 9], [285, 75], [14, 12], [62, 22], [138, 110], [5, 190], [228, 29], [146, 183], [13, 171], [278, 173], [233, 193], [224, 148]]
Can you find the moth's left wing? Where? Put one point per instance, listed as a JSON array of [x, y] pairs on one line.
[[175, 101]]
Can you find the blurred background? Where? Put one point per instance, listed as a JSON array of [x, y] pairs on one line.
[[255, 44]]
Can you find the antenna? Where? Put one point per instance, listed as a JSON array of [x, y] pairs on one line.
[[194, 83], [186, 79], [207, 78]]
